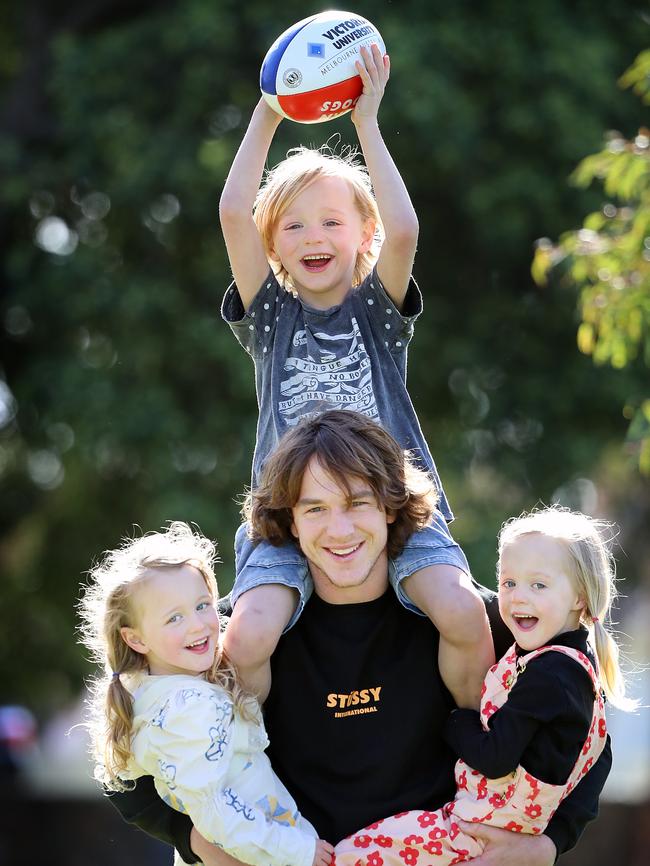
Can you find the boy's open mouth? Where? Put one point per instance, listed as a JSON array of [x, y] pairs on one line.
[[317, 262]]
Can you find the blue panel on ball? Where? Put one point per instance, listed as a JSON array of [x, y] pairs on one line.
[[272, 60]]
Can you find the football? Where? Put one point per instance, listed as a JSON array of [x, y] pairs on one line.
[[308, 74]]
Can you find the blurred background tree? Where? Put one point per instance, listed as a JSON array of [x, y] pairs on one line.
[[608, 259], [123, 398]]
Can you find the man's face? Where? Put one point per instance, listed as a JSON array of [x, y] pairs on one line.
[[343, 538]]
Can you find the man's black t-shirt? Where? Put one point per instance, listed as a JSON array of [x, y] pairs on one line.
[[358, 704]]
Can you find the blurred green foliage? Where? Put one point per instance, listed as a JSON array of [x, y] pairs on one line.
[[125, 399], [608, 259]]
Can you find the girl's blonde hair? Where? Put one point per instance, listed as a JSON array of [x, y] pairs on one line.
[[106, 606], [592, 569], [302, 167]]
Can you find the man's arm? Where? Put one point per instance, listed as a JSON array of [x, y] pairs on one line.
[[143, 807], [397, 213], [505, 848]]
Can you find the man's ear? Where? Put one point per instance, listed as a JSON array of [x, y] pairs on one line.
[[294, 530], [132, 639], [391, 517]]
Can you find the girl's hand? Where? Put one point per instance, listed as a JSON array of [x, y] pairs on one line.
[[374, 72], [323, 853]]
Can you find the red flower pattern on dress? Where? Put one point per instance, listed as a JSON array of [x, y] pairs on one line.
[[409, 856], [507, 678], [497, 800], [586, 746], [375, 859], [587, 766], [437, 833], [533, 811], [362, 841], [513, 827], [400, 814], [384, 841], [426, 819], [482, 789], [413, 840], [461, 857], [374, 826], [433, 848], [461, 781], [483, 689], [489, 709], [602, 728], [454, 830]]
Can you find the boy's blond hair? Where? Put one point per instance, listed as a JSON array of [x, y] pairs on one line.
[[302, 167]]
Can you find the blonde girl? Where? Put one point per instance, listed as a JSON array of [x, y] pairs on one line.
[[541, 724], [169, 703]]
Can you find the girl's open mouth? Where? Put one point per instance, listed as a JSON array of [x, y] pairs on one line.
[[525, 622]]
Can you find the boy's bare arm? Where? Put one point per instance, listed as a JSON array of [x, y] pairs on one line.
[[243, 242], [397, 212]]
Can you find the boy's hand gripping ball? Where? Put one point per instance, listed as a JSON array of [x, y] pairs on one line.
[[308, 74]]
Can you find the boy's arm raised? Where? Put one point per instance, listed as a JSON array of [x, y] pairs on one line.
[[243, 242], [397, 213]]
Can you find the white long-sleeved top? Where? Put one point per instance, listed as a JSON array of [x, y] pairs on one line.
[[208, 762]]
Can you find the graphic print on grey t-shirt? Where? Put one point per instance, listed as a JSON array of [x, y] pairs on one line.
[[330, 368]]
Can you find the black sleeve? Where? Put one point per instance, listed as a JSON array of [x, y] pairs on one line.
[[581, 806], [143, 807]]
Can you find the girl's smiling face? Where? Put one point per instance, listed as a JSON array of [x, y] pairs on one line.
[[537, 598], [177, 625]]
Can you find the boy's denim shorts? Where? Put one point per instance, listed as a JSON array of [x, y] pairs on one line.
[[263, 563]]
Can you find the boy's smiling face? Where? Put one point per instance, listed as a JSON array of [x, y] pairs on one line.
[[318, 239]]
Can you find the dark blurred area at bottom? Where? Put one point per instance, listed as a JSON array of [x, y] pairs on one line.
[[89, 832]]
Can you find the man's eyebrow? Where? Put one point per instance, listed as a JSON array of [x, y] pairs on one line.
[[363, 493], [354, 494]]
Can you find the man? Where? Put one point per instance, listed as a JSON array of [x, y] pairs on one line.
[[357, 705]]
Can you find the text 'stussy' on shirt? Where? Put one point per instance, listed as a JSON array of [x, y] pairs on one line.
[[358, 704]]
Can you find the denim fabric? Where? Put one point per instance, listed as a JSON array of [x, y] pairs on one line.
[[260, 563], [432, 545]]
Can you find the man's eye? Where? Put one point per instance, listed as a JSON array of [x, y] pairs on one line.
[[356, 503]]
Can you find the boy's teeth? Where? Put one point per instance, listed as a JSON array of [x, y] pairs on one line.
[[344, 551]]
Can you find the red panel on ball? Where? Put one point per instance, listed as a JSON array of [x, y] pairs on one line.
[[324, 103]]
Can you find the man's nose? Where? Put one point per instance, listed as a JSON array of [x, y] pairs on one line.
[[340, 524]]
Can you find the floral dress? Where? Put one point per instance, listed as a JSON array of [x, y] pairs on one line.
[[517, 801]]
